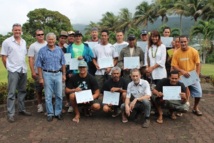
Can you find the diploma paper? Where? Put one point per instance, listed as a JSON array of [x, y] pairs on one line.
[[131, 62], [171, 93], [105, 62], [193, 78], [74, 64], [84, 96], [67, 58], [142, 45], [167, 41], [111, 98]]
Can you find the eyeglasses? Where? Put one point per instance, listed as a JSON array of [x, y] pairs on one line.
[[40, 34]]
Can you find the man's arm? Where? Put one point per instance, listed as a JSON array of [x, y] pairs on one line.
[[96, 94], [4, 59], [63, 72], [127, 106], [183, 72], [31, 64], [198, 68], [95, 63]]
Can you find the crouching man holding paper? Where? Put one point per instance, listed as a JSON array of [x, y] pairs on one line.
[[83, 91], [170, 93]]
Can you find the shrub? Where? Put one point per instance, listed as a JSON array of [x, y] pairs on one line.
[[3, 92]]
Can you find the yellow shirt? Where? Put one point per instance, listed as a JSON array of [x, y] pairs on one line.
[[186, 60]]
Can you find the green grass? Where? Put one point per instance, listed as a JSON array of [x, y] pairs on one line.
[[3, 71], [207, 69]]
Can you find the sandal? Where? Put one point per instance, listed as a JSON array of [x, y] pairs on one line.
[[77, 120], [160, 121], [197, 112], [179, 114]]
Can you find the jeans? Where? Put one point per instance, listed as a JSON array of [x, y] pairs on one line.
[[16, 81], [53, 86]]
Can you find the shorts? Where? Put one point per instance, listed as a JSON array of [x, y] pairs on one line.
[[195, 90]]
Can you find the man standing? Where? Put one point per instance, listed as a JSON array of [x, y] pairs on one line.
[[94, 35], [120, 41], [137, 98], [130, 51], [172, 105], [83, 81], [115, 84], [13, 55], [62, 40], [70, 37], [50, 63], [144, 36], [33, 54], [104, 50], [186, 59]]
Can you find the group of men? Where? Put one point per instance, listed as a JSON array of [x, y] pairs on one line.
[[48, 69]]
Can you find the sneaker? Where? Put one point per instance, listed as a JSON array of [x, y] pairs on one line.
[[146, 123], [116, 113], [10, 119], [70, 109], [39, 108]]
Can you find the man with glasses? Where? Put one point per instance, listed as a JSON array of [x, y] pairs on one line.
[[13, 54], [33, 54]]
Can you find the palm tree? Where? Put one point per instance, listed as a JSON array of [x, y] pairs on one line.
[[144, 14], [195, 8], [204, 29], [109, 21], [125, 20], [208, 10]]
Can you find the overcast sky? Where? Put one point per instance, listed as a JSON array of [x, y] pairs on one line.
[[78, 11]]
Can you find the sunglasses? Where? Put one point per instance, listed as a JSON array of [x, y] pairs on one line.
[[40, 34]]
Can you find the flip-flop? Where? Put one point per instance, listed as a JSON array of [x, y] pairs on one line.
[[77, 120], [197, 112], [160, 121]]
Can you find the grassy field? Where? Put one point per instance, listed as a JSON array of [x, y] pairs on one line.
[[206, 69]]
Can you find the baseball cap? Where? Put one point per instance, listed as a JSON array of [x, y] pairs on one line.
[[82, 63], [70, 32], [144, 32], [77, 33], [131, 37], [64, 33]]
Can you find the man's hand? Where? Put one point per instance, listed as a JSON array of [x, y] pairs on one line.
[[183, 96], [97, 67], [63, 78], [149, 69], [114, 89], [78, 89], [159, 94], [108, 70], [41, 81], [185, 73], [34, 76], [80, 58], [132, 104]]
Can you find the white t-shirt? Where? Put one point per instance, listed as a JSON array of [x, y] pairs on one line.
[[15, 54], [34, 50], [120, 46], [104, 51], [157, 55]]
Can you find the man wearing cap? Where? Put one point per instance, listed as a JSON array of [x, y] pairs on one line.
[[13, 54], [83, 81], [70, 37], [130, 51], [79, 50], [104, 50], [51, 69], [144, 36], [120, 41], [94, 35], [62, 40], [33, 54]]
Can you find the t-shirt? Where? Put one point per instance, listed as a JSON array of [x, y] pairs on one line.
[[186, 60], [110, 83], [89, 82], [78, 50], [166, 82]]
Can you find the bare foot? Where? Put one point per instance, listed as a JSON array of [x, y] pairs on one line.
[[160, 119], [76, 119]]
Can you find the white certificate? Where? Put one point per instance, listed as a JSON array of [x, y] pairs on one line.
[[67, 58], [171, 92], [73, 64], [192, 79], [92, 44], [120, 47], [105, 62], [131, 62], [84, 96], [167, 41], [142, 45], [111, 98]]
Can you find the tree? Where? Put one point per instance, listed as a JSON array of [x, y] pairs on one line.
[[204, 29], [109, 21], [49, 21], [144, 14], [208, 10]]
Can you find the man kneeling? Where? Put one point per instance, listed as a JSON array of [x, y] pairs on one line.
[[83, 81], [137, 98], [172, 105]]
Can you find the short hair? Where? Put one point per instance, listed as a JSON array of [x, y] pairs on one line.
[[183, 36], [105, 31], [39, 30], [135, 70], [50, 35], [166, 27], [16, 24], [116, 69], [154, 33], [119, 31], [174, 72]]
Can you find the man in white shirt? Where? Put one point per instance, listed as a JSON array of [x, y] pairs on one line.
[[137, 98], [104, 50], [13, 55], [33, 54], [120, 44]]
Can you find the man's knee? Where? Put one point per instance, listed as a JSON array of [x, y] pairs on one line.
[[72, 97], [106, 108], [96, 106], [146, 103]]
